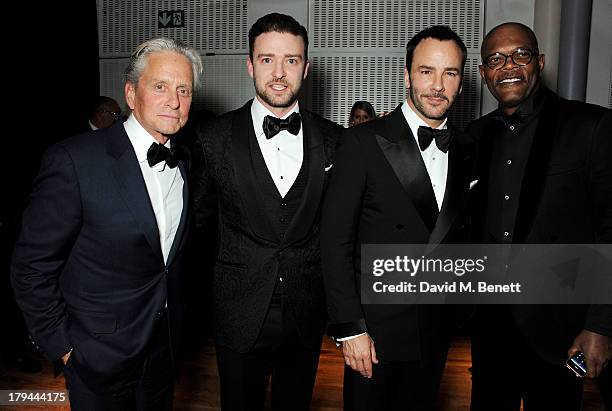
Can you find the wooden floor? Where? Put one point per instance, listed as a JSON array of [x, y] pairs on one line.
[[199, 387]]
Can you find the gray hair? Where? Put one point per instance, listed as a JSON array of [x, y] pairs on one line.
[[138, 59]]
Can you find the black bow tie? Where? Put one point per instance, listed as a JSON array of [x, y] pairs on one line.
[[272, 125], [158, 153], [427, 134]]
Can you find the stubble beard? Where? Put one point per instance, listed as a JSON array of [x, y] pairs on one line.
[[421, 108], [281, 101]]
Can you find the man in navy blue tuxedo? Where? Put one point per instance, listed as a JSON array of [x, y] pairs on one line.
[[96, 269]]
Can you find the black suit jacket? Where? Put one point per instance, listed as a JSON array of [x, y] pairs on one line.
[[88, 270], [250, 252], [566, 198], [380, 193]]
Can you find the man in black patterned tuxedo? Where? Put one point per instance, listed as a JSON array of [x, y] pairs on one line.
[[392, 184], [264, 168]]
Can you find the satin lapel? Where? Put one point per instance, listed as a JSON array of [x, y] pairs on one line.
[[244, 172], [402, 153], [454, 195], [132, 187], [535, 171], [179, 238], [305, 214], [478, 197]]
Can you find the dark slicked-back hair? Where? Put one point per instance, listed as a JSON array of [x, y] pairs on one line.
[[279, 23], [532, 37], [442, 33]]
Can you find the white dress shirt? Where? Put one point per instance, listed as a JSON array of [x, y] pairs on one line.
[[436, 161], [164, 185], [283, 153]]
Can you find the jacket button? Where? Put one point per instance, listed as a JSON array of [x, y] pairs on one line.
[[399, 226]]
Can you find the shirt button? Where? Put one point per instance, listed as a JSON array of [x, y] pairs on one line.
[[506, 234], [511, 128], [506, 197], [433, 158], [509, 162]]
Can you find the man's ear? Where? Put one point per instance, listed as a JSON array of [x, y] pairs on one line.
[[306, 67], [250, 66], [481, 70], [130, 94], [541, 62], [406, 78]]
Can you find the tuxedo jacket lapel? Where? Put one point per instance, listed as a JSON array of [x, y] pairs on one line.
[[179, 238], [240, 153], [132, 188], [306, 212], [402, 153], [535, 171], [478, 196], [455, 194]]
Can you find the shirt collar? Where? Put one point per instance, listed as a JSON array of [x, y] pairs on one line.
[[259, 112], [526, 109], [414, 121], [141, 140]]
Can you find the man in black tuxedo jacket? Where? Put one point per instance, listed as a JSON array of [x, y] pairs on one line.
[[96, 269], [545, 176], [264, 169], [393, 185]]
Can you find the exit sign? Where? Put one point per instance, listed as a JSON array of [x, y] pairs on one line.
[[167, 19]]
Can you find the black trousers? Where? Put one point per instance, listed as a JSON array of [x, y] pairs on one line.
[[278, 353], [152, 390], [605, 386], [505, 369], [395, 386]]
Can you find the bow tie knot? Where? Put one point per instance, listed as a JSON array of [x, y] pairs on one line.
[[427, 135], [158, 153], [272, 125]]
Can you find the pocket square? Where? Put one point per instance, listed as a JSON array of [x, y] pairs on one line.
[[473, 183], [329, 167]]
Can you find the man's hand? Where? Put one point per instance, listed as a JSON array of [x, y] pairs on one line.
[[359, 354], [597, 349], [66, 356]]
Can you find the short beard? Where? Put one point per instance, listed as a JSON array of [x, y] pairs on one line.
[[421, 109], [287, 101]]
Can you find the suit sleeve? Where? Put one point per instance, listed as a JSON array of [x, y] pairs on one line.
[[203, 191], [339, 224], [599, 317], [51, 224]]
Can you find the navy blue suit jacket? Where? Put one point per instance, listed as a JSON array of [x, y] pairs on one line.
[[88, 270]]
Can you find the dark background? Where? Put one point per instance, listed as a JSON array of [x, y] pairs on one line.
[[51, 76]]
